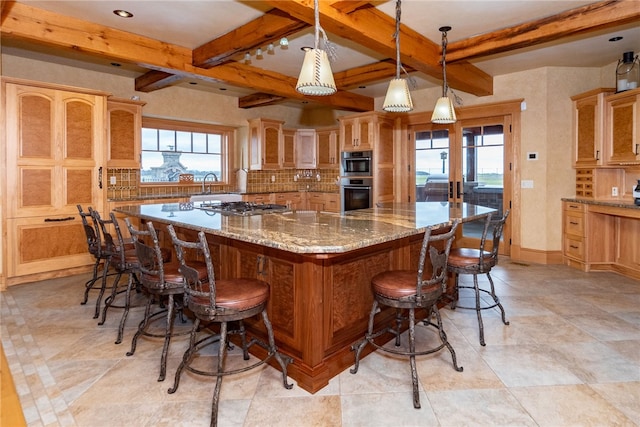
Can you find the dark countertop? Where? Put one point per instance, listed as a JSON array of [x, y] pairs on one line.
[[314, 232]]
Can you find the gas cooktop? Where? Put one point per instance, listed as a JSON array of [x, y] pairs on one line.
[[241, 208]]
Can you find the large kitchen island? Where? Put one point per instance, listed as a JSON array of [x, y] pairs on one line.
[[319, 267]]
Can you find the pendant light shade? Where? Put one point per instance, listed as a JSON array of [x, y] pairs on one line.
[[443, 113], [398, 99], [316, 77]]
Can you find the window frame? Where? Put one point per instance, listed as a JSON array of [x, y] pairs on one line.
[[226, 149]]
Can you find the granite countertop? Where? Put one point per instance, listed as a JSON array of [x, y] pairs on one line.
[[612, 203], [314, 232]]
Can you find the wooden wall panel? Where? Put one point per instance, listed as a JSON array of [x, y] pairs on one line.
[[79, 130], [121, 130], [36, 187], [80, 187], [63, 240], [36, 127]]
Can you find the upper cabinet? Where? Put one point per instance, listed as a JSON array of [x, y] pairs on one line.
[[306, 149], [288, 148], [328, 148], [124, 128], [265, 144], [356, 132], [588, 129], [622, 127]]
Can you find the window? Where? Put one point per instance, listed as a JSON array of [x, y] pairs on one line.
[[171, 148]]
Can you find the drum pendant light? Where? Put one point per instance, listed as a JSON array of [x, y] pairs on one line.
[[443, 113], [398, 99], [316, 77]]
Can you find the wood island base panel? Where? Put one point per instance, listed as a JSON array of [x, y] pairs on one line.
[[319, 267]]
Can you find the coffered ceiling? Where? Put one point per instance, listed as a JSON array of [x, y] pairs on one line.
[[204, 43]]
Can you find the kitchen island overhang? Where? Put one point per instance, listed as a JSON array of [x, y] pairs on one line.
[[319, 267]]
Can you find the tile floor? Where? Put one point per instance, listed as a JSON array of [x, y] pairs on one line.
[[570, 357]]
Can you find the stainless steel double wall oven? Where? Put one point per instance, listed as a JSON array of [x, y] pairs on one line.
[[356, 180]]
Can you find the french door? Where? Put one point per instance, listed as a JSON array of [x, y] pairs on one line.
[[466, 162]]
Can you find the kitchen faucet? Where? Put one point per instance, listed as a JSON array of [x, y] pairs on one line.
[[204, 180]]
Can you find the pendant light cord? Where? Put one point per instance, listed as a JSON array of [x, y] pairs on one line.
[[444, 64], [397, 37]]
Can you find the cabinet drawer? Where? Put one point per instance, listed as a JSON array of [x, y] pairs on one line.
[[574, 224], [574, 248]]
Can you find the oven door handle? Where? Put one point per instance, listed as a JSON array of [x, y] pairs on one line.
[[352, 187]]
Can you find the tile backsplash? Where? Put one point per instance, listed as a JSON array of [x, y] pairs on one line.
[[127, 183]]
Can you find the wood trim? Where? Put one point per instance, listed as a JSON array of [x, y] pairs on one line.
[[536, 256]]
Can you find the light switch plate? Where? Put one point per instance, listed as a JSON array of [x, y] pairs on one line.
[[526, 183], [112, 180]]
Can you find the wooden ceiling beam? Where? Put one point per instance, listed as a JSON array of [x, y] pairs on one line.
[[589, 18], [373, 29], [268, 28], [47, 28], [370, 73], [259, 100], [156, 80]]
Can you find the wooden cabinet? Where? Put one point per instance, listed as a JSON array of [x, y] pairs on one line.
[[573, 227], [124, 128], [258, 198], [602, 237], [306, 149], [357, 132], [323, 202], [332, 202], [54, 161], [265, 144], [622, 115], [588, 127], [295, 200], [289, 148], [328, 148], [384, 162]]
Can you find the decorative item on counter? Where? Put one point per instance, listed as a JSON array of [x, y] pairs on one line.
[[185, 177], [627, 72], [636, 194]]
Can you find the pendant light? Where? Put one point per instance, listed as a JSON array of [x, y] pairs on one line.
[[398, 99], [316, 77], [443, 113]]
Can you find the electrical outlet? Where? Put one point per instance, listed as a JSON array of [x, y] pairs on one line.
[[614, 191], [112, 180], [273, 178]]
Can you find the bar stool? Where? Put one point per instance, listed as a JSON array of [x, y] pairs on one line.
[[406, 290], [161, 280], [222, 301], [479, 261], [99, 254], [123, 259]]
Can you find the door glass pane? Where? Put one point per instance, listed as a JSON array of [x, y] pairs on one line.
[[432, 166], [483, 170]]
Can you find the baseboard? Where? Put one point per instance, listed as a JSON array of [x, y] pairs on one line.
[[535, 256]]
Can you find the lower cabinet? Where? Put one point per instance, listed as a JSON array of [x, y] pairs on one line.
[[44, 244], [601, 237], [295, 200]]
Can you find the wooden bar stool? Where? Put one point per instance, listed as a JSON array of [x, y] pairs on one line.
[[479, 261], [162, 281], [222, 301], [406, 290]]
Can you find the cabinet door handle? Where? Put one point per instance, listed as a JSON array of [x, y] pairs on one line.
[[451, 189], [69, 218], [597, 154], [100, 177], [573, 247], [637, 149], [573, 223], [458, 189]]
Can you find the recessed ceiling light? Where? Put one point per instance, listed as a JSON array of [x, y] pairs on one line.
[[305, 48], [115, 64], [123, 13], [615, 39]]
